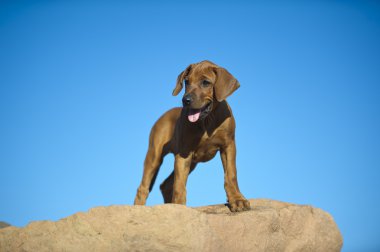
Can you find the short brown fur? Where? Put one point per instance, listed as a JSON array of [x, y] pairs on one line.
[[208, 85]]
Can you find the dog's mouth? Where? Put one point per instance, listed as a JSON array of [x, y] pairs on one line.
[[195, 114]]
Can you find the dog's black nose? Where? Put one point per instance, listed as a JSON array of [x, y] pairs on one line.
[[187, 99]]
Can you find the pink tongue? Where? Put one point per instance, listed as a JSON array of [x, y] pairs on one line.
[[194, 117]]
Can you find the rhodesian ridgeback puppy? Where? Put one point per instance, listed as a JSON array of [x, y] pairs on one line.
[[195, 133]]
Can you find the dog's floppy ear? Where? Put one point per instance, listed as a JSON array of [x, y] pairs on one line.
[[225, 84], [180, 79]]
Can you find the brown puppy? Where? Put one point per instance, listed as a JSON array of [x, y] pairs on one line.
[[195, 133]]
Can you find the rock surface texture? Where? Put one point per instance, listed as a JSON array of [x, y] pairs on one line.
[[269, 226]]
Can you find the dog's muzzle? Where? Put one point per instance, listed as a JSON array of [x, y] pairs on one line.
[[187, 99], [194, 114]]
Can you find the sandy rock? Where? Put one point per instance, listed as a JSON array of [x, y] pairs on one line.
[[4, 224], [269, 226]]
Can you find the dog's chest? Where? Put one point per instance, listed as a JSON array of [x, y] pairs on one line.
[[206, 150]]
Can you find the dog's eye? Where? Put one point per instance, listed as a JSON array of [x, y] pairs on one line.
[[205, 83]]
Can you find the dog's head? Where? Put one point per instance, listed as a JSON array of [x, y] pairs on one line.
[[206, 84]]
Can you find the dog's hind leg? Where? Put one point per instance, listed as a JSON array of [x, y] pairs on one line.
[[152, 163], [167, 186], [159, 145]]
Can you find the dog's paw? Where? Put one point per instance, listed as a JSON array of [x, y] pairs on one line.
[[239, 205]]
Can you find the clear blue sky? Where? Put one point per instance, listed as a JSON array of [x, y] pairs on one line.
[[81, 84]]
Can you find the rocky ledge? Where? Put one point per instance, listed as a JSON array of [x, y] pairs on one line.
[[269, 226]]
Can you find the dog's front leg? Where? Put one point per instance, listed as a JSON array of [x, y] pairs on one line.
[[236, 199], [181, 172]]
